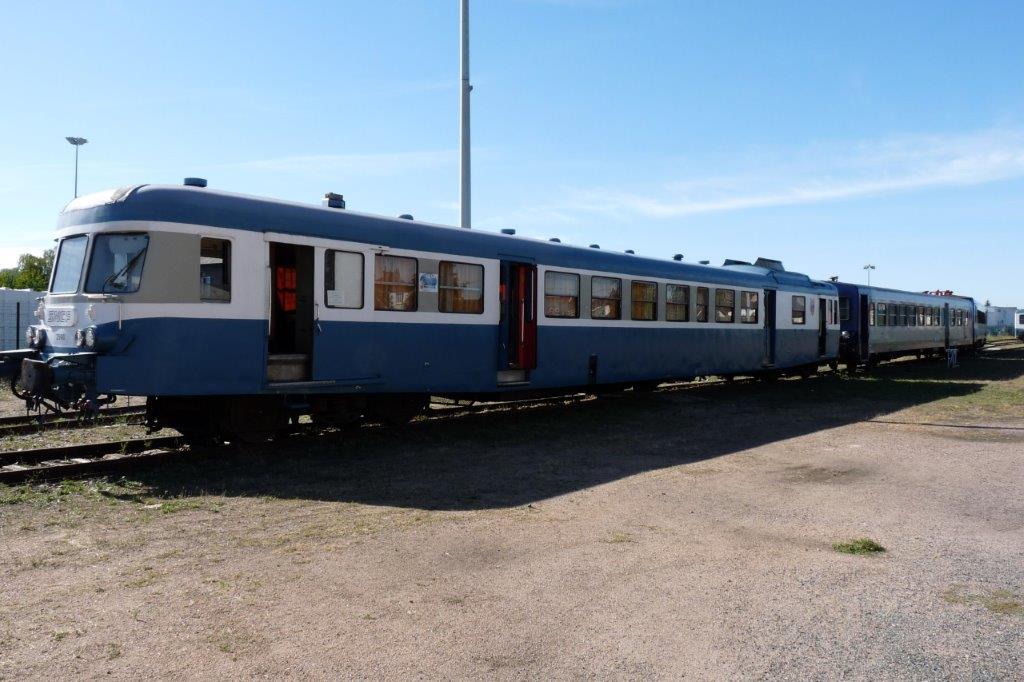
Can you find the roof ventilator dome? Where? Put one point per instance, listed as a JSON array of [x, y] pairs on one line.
[[404, 216], [195, 182], [332, 200], [595, 246], [508, 230], [678, 256]]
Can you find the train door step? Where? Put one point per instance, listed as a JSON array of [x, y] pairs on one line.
[[513, 377], [284, 367]]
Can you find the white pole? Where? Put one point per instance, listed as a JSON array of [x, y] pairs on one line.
[[464, 88]]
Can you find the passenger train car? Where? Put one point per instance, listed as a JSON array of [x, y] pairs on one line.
[[879, 323], [234, 314]]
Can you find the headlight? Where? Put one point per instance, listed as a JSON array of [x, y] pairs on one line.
[[79, 338], [30, 336], [90, 338], [844, 335]]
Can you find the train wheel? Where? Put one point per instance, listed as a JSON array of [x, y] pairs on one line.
[[396, 410], [252, 420]]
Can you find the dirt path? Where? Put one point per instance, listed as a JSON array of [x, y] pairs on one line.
[[684, 534]]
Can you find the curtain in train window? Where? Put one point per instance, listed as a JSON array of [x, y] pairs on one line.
[[677, 303], [703, 303], [920, 316], [460, 288], [343, 279], [748, 307], [605, 298], [394, 283], [644, 300], [800, 310], [725, 305], [214, 270], [561, 294]]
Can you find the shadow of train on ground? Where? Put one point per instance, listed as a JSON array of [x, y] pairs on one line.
[[515, 457]]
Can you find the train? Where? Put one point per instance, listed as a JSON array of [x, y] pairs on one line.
[[236, 315]]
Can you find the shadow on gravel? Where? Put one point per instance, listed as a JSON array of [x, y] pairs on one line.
[[514, 457]]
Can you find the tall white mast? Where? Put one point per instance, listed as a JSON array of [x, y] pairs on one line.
[[464, 90]]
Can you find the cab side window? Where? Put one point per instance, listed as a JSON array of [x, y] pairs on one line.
[[214, 270]]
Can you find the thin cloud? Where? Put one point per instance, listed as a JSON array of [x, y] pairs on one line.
[[386, 163], [838, 172]]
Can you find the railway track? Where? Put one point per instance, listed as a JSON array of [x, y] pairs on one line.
[[20, 425], [72, 461]]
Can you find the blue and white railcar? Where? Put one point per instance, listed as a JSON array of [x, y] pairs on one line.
[[234, 313], [880, 323]]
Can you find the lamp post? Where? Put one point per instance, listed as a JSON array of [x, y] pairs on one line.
[[869, 267], [77, 142], [465, 214]]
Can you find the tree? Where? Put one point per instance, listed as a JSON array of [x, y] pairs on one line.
[[32, 272]]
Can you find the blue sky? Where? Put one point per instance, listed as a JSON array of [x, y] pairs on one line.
[[827, 135]]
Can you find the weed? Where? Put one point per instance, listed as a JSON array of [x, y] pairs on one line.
[[113, 651], [1003, 602], [618, 537], [862, 546]]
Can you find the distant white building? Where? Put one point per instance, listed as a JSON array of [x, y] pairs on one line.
[[1000, 319], [17, 311]]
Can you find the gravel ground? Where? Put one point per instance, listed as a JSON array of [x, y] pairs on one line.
[[678, 534]]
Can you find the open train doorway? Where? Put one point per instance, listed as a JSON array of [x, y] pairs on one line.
[[517, 350], [822, 326], [863, 327], [769, 328], [290, 344]]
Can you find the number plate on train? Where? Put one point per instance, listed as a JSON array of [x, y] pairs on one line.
[[60, 317]]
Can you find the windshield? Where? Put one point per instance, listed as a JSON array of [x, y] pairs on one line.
[[67, 273], [116, 265]]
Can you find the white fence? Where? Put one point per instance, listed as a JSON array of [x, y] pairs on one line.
[[17, 311]]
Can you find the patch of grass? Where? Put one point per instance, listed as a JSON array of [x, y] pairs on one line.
[[860, 546], [619, 537], [1003, 602], [113, 651]]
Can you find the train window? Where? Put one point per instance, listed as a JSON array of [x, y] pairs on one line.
[[644, 300], [394, 283], [561, 294], [982, 316], [677, 303], [844, 310], [912, 315], [920, 316], [903, 315], [606, 298], [214, 270], [882, 315], [460, 288], [928, 316], [116, 264], [1020, 319], [68, 273], [799, 310], [748, 307], [893, 314], [343, 279], [936, 316], [725, 305], [703, 301]]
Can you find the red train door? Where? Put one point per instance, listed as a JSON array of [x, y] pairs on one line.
[[518, 328]]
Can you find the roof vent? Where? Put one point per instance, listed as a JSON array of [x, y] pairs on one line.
[[631, 251], [733, 261], [404, 216], [595, 246], [332, 200], [555, 240], [508, 230], [195, 182], [770, 263], [678, 256], [704, 262]]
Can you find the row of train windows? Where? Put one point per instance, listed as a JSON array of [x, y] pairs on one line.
[[900, 315], [562, 299], [396, 283]]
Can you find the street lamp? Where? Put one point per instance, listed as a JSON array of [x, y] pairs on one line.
[[869, 267], [77, 142], [465, 212]]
